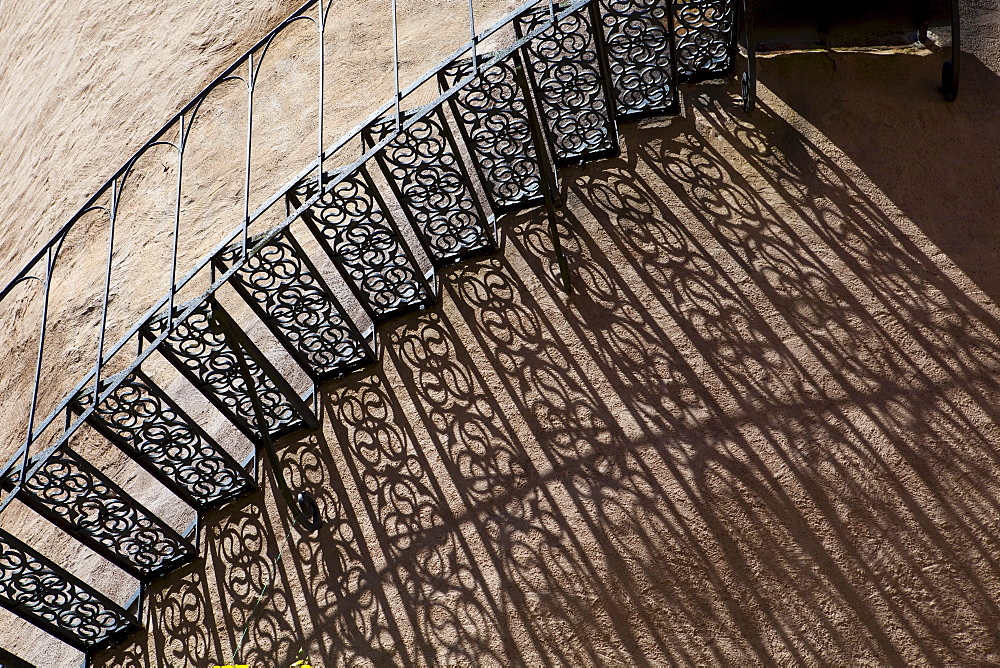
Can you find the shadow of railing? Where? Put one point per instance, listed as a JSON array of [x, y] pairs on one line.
[[762, 430], [936, 163]]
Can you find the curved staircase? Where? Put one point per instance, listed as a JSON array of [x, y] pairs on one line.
[[491, 144]]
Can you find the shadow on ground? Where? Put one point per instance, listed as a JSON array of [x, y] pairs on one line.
[[762, 430]]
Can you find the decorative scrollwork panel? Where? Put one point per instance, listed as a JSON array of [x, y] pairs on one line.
[[86, 504], [430, 181], [151, 428], [357, 231], [210, 349], [290, 296], [40, 592], [570, 82], [705, 38], [639, 45], [493, 116]]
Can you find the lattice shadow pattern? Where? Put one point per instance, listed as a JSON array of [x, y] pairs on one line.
[[554, 99]]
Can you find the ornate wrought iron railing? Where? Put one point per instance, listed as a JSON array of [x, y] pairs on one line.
[[425, 192]]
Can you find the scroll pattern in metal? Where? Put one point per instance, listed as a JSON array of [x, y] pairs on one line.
[[492, 113], [86, 504], [569, 80], [637, 35], [151, 428], [705, 38], [204, 353], [40, 592], [430, 181], [290, 296], [357, 231]]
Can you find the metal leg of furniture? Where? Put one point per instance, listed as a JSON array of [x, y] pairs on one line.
[[950, 71]]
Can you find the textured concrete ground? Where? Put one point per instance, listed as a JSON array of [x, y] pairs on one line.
[[762, 430]]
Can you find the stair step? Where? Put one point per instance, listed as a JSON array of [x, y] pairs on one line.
[[216, 356], [570, 81], [82, 501], [356, 229], [430, 181], [152, 429], [493, 117], [639, 47], [38, 591], [704, 38], [289, 295]]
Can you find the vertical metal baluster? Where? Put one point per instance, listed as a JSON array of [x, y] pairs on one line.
[[322, 87], [548, 180], [604, 67], [952, 79], [115, 194], [674, 66], [395, 61], [141, 600], [308, 514], [246, 187], [177, 225], [748, 81]]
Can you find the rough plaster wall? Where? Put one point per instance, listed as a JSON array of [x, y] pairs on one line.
[[763, 429], [85, 83]]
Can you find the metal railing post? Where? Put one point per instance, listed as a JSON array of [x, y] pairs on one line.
[[548, 180], [32, 409], [321, 27], [246, 183], [115, 194], [177, 225]]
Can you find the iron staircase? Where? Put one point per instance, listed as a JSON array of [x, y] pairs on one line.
[[551, 99]]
